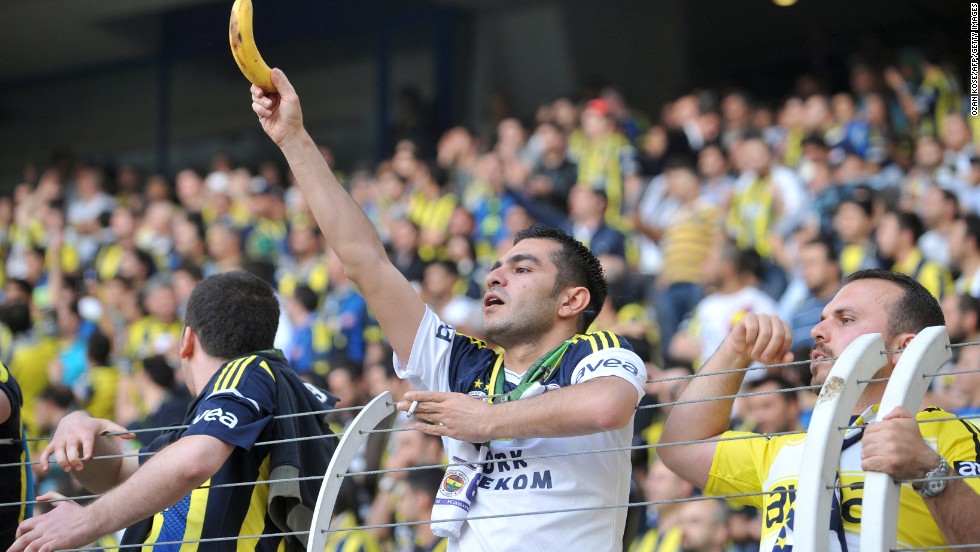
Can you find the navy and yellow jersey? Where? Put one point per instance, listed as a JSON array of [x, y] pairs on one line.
[[103, 382], [312, 274], [772, 465], [16, 482], [147, 337], [350, 325], [937, 97], [858, 256], [108, 261], [357, 540], [236, 407], [933, 276], [753, 215]]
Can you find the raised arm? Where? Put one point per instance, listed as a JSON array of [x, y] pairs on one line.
[[347, 230], [756, 337]]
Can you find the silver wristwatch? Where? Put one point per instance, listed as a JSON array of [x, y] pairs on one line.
[[934, 481]]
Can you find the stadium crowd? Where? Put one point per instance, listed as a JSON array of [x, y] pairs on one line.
[[716, 206]]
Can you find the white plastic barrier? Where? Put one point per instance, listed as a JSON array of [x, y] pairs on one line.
[[906, 387], [369, 418], [821, 452]]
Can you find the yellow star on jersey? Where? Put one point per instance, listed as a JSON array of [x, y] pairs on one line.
[[478, 384]]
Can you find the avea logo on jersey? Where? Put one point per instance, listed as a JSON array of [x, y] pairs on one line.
[[609, 363], [226, 418], [967, 469]]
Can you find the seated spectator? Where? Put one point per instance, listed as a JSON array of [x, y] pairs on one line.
[[897, 236]]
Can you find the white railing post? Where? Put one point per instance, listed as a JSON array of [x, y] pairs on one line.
[[906, 387], [370, 416], [821, 452]]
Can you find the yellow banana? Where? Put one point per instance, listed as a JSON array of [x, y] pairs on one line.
[[243, 47]]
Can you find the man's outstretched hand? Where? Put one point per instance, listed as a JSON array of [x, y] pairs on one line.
[[67, 525], [279, 112]]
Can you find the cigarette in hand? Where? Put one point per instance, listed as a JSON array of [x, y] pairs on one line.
[[411, 409]]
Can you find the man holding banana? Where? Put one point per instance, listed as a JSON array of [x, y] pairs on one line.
[[543, 294]]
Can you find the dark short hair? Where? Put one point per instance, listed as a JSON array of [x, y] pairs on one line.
[[914, 311], [908, 221], [58, 395], [233, 313], [782, 384], [159, 370], [306, 297], [99, 348], [972, 222], [827, 243], [425, 481], [17, 317], [577, 266], [967, 304], [192, 269]]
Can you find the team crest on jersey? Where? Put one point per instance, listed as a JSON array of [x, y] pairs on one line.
[[482, 395], [454, 483]]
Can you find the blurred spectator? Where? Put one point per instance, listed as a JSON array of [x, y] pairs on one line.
[[430, 208], [410, 449], [224, 248], [417, 493], [704, 526], [771, 407], [938, 211], [964, 253], [685, 239], [404, 250], [301, 309], [660, 530], [606, 160], [85, 207], [717, 184], [96, 390], [821, 274], [854, 226], [927, 102], [353, 328], [303, 263], [554, 174], [157, 333], [897, 235], [443, 292], [733, 274], [162, 402], [768, 200], [958, 391]]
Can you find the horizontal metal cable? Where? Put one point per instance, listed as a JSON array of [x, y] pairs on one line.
[[192, 541], [918, 421], [741, 370], [216, 486], [140, 454], [945, 547], [185, 426], [735, 396], [860, 485], [561, 510], [718, 439], [964, 344]]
